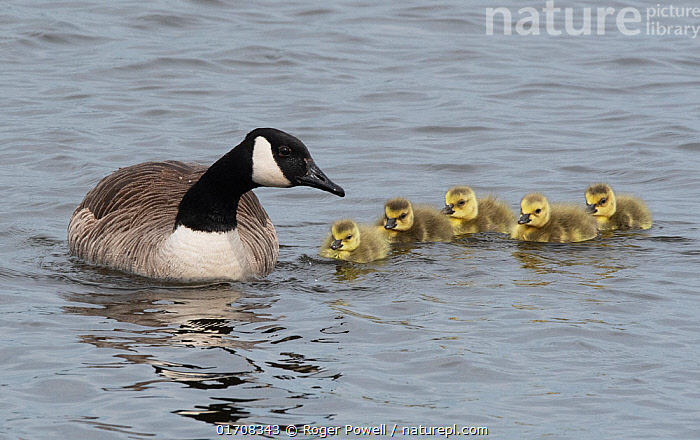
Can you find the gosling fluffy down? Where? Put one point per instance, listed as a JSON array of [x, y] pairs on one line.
[[352, 242], [468, 215], [540, 221], [616, 212], [403, 223]]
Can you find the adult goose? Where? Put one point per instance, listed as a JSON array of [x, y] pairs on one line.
[[179, 221]]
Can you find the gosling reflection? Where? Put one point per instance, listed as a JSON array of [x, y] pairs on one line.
[[352, 272], [590, 263]]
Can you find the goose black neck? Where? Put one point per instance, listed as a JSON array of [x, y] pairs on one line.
[[210, 205]]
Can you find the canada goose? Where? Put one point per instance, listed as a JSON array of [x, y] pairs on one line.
[[540, 221], [616, 212], [352, 242], [469, 215], [180, 221], [405, 224]]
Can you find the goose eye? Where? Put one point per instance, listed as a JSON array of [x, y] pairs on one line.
[[461, 202], [285, 151], [603, 200], [538, 210], [348, 237], [403, 216]]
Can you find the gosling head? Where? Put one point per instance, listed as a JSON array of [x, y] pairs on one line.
[[600, 200], [398, 214], [460, 202], [346, 235], [534, 210]]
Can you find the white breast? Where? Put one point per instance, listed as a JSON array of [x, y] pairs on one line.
[[197, 255]]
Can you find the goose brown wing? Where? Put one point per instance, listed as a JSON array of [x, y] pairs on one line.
[[257, 234], [127, 214], [123, 220], [156, 184]]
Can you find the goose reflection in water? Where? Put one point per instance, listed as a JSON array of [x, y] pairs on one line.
[[206, 317]]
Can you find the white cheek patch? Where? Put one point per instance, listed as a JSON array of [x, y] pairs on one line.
[[266, 172]]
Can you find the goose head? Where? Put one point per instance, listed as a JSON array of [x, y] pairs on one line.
[[600, 200], [281, 160], [398, 215], [460, 202], [266, 157], [534, 210]]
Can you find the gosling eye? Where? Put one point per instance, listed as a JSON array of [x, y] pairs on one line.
[[403, 216], [285, 151], [602, 201], [348, 237], [461, 202], [538, 210]]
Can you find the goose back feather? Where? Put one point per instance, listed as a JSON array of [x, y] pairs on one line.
[[125, 221]]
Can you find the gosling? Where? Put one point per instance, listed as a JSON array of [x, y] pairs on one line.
[[621, 212], [556, 223], [468, 215], [352, 242], [404, 224]]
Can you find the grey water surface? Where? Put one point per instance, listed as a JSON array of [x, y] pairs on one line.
[[591, 340]]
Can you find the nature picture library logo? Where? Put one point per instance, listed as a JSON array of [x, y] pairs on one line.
[[658, 20]]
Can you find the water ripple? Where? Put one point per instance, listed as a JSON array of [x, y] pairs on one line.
[[392, 99]]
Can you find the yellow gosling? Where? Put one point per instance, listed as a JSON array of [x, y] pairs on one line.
[[405, 224], [621, 212], [556, 223], [352, 242], [468, 215]]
